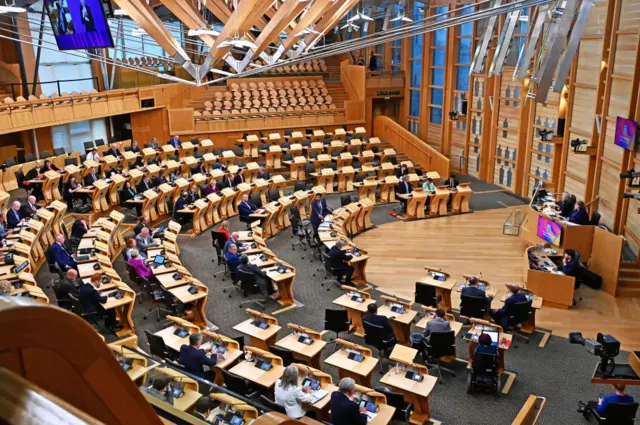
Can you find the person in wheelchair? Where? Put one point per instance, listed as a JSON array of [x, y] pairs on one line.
[[484, 373], [599, 408]]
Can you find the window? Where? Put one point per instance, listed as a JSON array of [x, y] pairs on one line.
[[438, 59], [414, 103], [415, 66]]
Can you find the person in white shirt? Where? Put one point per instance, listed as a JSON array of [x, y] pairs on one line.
[[289, 393], [93, 155]]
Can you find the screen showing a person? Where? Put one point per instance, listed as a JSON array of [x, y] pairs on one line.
[[549, 231], [78, 24], [626, 131]]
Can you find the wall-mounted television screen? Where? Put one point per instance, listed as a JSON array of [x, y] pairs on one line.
[[78, 24], [549, 231], [626, 131]]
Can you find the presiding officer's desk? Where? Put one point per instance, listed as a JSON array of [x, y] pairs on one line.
[[261, 338], [414, 392], [545, 280], [401, 317], [362, 371]]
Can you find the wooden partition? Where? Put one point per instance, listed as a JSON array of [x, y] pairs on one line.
[[353, 79], [418, 150]]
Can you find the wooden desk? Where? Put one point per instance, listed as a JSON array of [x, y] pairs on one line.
[[431, 314], [197, 300], [309, 353], [504, 343], [285, 282], [414, 392], [556, 288], [401, 323], [388, 189], [190, 387], [367, 189], [354, 309], [460, 202], [261, 338], [362, 371], [265, 379], [403, 354], [250, 146], [442, 288], [123, 308], [415, 203]]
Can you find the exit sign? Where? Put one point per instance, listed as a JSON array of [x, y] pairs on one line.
[[389, 93]]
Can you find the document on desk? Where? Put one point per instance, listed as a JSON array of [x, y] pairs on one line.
[[318, 395], [370, 416]]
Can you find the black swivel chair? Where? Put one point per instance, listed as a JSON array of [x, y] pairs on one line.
[[403, 409], [272, 405], [70, 161], [483, 375], [336, 321], [472, 307], [518, 314], [240, 340], [88, 146], [345, 200], [45, 154], [237, 384], [308, 169], [10, 162], [374, 336], [426, 295], [284, 354], [235, 281], [62, 300], [58, 151], [256, 200], [249, 286], [218, 240], [441, 344], [296, 229], [299, 185], [595, 218], [100, 142], [133, 277], [158, 348], [331, 276], [274, 195], [93, 318], [615, 414]]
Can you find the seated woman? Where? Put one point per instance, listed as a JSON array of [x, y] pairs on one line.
[[580, 215], [131, 245], [71, 192], [142, 270], [224, 228], [129, 192], [291, 395], [484, 345]]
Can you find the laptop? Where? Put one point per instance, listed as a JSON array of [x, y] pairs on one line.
[[495, 338]]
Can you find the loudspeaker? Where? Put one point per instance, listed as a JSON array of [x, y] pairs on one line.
[[148, 103], [464, 107], [560, 127]]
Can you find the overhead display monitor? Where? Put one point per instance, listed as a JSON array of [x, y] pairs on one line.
[[626, 131], [549, 231], [78, 24]]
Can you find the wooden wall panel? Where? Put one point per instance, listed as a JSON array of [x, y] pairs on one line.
[[632, 226], [575, 186], [476, 123], [508, 131], [624, 63], [597, 20], [608, 192], [630, 15], [583, 111], [577, 164], [434, 136], [610, 150], [620, 99], [589, 63]]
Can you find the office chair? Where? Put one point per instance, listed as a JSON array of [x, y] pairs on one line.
[[10, 162], [88, 146], [296, 229], [93, 318], [483, 375], [272, 404], [177, 365], [53, 267], [100, 142], [274, 195], [249, 286], [58, 151], [234, 281], [70, 161], [313, 155], [158, 348], [20, 179], [373, 336], [336, 321], [217, 242], [345, 200], [441, 344], [518, 314], [286, 355], [62, 300], [331, 276], [472, 307], [156, 296], [403, 409], [426, 295], [615, 413], [237, 384], [299, 185], [595, 218], [133, 277], [240, 340], [45, 155], [256, 200]]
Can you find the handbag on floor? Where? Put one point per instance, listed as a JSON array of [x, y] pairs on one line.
[[591, 279]]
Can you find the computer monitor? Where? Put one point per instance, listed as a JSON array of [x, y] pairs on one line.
[[549, 231], [158, 259], [21, 267], [626, 132]]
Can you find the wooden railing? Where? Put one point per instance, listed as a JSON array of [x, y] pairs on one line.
[[353, 80], [416, 149], [386, 79]]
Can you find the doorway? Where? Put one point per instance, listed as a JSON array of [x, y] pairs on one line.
[[388, 107]]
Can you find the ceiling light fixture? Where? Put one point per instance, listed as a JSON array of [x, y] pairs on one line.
[[202, 31]]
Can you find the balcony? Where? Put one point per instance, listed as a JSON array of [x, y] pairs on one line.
[[388, 80]]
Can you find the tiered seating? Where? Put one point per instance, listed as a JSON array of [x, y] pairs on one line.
[[278, 96], [306, 67]]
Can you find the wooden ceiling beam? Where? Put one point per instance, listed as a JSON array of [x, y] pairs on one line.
[[249, 13], [189, 16], [219, 10], [330, 19], [285, 14], [317, 10]]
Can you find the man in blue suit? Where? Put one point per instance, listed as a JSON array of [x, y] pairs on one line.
[[319, 210], [175, 142], [233, 259], [234, 239], [245, 209], [345, 411], [375, 319], [13, 215], [58, 254], [570, 264], [472, 290], [181, 202], [195, 358], [501, 316], [92, 301]]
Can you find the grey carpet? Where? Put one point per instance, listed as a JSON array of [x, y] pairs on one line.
[[560, 371]]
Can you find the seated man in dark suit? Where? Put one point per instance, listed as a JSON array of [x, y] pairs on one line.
[[92, 177], [144, 185], [238, 178], [245, 209], [14, 217], [570, 264], [338, 261], [375, 319], [194, 357], [175, 142], [141, 224], [58, 253], [79, 228], [262, 173], [261, 277], [113, 150], [159, 388], [619, 396], [203, 408], [181, 203], [472, 289], [92, 301], [501, 316], [159, 179], [233, 259], [345, 411], [451, 182], [29, 208], [200, 168], [404, 188], [402, 171], [70, 284], [319, 210], [194, 195]]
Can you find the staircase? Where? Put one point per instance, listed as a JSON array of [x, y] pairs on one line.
[[337, 92], [400, 156], [629, 282]]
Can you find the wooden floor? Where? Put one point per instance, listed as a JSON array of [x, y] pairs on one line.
[[474, 244]]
